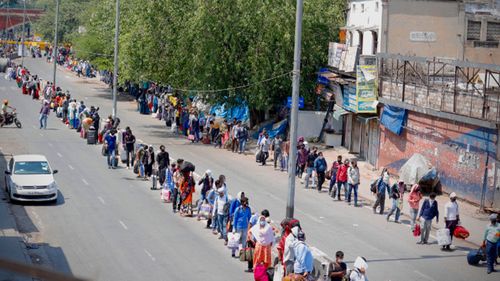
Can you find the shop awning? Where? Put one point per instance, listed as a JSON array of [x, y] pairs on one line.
[[338, 112]]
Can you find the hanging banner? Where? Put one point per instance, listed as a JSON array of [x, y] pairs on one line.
[[366, 88]]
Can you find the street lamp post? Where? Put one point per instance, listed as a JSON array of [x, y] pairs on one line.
[[115, 71], [24, 31], [294, 114], [54, 48]]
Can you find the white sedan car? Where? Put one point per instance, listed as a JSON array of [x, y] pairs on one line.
[[30, 178]]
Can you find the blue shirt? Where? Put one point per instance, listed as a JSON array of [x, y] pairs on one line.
[[232, 208], [429, 212], [211, 196], [303, 258], [382, 187], [111, 140], [170, 179], [320, 164], [241, 218]]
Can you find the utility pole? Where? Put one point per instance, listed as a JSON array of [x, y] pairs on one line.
[[115, 71], [54, 48], [292, 167], [22, 36]]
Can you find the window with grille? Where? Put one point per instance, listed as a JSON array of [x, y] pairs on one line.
[[473, 30], [493, 31]]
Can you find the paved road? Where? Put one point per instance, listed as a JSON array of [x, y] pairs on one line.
[[110, 225]]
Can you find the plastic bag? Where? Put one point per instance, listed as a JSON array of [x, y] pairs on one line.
[[233, 240], [443, 237]]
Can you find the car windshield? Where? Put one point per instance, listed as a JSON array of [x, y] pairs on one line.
[[31, 168]]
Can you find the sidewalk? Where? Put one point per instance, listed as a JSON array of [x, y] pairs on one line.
[[470, 217]]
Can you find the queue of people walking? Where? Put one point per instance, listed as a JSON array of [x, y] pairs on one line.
[[251, 235]]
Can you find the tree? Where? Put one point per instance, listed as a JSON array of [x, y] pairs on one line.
[[225, 44], [69, 18]]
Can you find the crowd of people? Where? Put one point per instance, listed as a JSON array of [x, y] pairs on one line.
[[249, 235]]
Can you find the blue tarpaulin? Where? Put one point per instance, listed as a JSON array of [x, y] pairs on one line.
[[241, 112], [393, 118], [278, 128]]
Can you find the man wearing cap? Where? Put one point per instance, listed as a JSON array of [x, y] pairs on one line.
[[491, 237], [451, 216]]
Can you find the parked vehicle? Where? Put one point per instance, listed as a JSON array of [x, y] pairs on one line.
[[30, 178]]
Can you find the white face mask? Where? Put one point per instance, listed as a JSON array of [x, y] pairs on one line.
[[431, 201], [262, 223]]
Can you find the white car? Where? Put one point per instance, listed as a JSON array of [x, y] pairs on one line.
[[30, 178]]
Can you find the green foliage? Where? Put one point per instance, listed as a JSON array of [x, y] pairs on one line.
[[69, 18], [200, 44]]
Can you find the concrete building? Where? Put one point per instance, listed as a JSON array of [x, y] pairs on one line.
[[464, 30], [438, 63], [363, 26]]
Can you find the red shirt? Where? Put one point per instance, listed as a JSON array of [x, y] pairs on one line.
[[342, 173]]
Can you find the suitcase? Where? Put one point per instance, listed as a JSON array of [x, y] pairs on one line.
[[123, 156], [91, 137], [154, 180], [258, 156]]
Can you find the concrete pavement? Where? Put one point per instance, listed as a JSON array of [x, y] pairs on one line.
[[330, 226]]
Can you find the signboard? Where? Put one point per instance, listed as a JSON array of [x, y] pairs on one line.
[[423, 36], [336, 52], [350, 98], [350, 59], [342, 57], [366, 88], [289, 102]]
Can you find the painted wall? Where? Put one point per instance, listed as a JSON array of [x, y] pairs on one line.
[[457, 150], [311, 122], [440, 19]]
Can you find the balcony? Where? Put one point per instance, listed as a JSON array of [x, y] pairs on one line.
[[453, 88]]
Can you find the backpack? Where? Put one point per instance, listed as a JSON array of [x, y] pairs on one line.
[[225, 209], [373, 185]]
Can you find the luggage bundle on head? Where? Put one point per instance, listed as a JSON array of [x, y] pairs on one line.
[[187, 167], [475, 256]]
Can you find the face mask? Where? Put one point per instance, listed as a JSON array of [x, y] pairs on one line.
[[341, 260], [262, 223], [431, 201]]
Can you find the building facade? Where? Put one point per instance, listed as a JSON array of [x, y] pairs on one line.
[[438, 62]]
